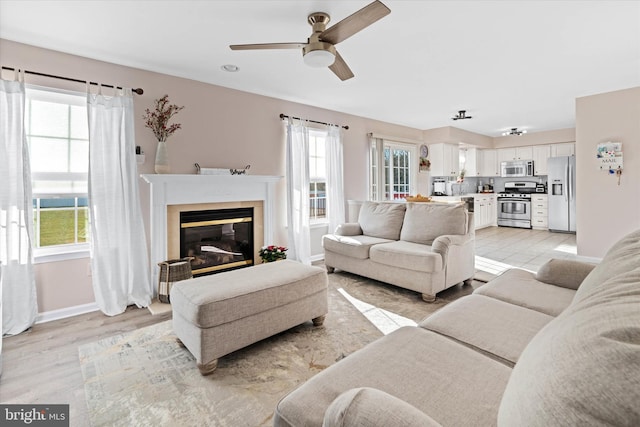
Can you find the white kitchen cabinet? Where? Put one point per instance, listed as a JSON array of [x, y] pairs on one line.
[[485, 212], [540, 155], [515, 153], [506, 154], [473, 162], [563, 149], [539, 211], [445, 159], [489, 165]]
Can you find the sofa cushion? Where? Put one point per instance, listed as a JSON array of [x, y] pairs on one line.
[[423, 222], [520, 287], [381, 219], [583, 368], [411, 256], [351, 246], [495, 327], [564, 272], [620, 258], [451, 383]]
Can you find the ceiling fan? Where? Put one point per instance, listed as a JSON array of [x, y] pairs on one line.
[[319, 50]]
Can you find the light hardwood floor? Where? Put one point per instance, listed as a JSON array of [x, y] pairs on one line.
[[42, 364]]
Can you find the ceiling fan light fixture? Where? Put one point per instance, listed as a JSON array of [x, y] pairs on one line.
[[462, 115], [319, 55], [514, 131]]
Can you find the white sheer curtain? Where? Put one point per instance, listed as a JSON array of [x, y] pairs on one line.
[[18, 302], [335, 180], [119, 258], [298, 191]]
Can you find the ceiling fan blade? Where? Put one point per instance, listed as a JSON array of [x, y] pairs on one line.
[[267, 46], [340, 68], [355, 22]]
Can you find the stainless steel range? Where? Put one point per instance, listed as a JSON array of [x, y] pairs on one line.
[[514, 204]]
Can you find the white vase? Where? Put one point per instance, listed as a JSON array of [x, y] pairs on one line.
[[162, 158]]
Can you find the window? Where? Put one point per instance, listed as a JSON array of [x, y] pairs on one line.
[[396, 178], [317, 176], [58, 136]]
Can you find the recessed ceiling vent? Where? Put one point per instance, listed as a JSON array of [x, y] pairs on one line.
[[462, 115]]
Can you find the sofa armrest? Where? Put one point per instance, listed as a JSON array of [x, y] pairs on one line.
[[442, 244], [348, 229], [369, 407], [564, 272]]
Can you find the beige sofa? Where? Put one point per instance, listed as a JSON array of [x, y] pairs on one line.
[[424, 247], [556, 348]]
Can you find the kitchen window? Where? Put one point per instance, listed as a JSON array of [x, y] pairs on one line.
[[392, 169], [58, 137]]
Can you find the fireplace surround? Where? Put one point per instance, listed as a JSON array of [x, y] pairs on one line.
[[171, 194]]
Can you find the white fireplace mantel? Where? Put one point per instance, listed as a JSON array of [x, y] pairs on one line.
[[174, 189]]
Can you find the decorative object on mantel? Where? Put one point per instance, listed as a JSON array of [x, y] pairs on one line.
[[220, 171], [272, 253], [158, 121], [240, 171]]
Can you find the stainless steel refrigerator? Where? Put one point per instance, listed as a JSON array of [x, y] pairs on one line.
[[561, 184]]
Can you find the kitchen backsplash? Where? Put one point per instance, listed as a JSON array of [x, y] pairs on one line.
[[470, 184]]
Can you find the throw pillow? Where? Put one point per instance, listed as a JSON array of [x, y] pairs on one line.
[[381, 219], [424, 222], [583, 368]]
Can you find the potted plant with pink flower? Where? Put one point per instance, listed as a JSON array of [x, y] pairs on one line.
[[273, 253]]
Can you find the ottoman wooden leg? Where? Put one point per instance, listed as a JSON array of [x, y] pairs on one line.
[[208, 368], [428, 298], [318, 321], [330, 269]]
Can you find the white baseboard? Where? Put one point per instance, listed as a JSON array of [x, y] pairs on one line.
[[63, 313], [316, 258]]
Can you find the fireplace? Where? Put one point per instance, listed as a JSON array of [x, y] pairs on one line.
[[170, 194], [217, 239]]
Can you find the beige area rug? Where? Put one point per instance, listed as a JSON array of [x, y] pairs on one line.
[[143, 378]]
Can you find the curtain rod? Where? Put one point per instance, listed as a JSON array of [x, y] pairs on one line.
[[139, 91], [284, 116]]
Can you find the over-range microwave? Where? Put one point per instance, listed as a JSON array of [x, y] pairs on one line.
[[516, 168]]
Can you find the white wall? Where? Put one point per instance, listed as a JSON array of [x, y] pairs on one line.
[[221, 127], [607, 211]]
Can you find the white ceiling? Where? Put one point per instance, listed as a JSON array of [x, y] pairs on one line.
[[508, 63]]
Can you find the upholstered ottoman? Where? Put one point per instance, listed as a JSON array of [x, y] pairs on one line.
[[218, 314]]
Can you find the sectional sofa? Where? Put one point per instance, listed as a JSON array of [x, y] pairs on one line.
[[557, 348], [424, 247]]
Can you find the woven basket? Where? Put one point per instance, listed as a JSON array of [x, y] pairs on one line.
[[172, 271]]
